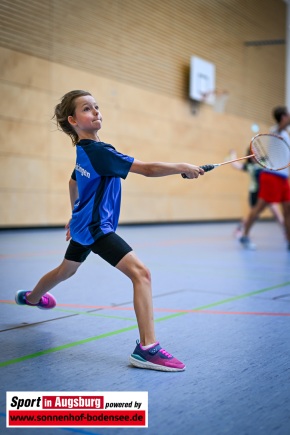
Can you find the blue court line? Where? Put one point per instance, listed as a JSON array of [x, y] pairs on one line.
[[130, 328]]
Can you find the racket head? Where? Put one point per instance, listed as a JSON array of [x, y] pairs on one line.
[[271, 151]]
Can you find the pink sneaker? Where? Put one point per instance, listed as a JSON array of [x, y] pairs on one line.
[[239, 231], [155, 358], [46, 302]]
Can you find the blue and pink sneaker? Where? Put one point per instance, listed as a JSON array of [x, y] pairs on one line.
[[46, 302], [155, 358]]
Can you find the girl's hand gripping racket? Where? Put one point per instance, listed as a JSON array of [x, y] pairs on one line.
[[269, 150]]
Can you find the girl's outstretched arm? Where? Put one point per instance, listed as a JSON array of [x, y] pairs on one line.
[[236, 165], [162, 169]]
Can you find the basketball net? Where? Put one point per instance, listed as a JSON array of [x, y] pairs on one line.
[[217, 99]]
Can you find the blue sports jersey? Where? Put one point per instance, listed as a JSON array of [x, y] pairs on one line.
[[98, 170]]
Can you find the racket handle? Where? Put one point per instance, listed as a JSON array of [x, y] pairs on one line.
[[206, 168]]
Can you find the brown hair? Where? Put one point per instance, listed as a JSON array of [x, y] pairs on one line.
[[278, 112], [66, 108]]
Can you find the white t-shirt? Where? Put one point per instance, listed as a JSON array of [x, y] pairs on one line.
[[284, 134]]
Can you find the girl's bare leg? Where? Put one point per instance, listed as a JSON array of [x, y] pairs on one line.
[[140, 276], [277, 213], [286, 211], [64, 271], [254, 214]]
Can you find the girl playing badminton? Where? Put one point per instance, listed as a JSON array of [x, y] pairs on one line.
[[254, 170], [95, 193], [274, 185]]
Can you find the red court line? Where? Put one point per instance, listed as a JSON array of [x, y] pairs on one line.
[[161, 243], [167, 310], [247, 313]]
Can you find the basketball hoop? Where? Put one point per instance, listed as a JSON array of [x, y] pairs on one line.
[[221, 98], [217, 99]]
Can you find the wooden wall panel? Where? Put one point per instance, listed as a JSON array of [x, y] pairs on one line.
[[134, 56], [149, 44], [24, 209]]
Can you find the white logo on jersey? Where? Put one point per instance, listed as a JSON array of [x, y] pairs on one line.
[[83, 171]]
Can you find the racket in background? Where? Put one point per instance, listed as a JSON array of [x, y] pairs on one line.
[[269, 150]]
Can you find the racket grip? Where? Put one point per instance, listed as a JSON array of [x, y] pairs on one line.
[[207, 168]]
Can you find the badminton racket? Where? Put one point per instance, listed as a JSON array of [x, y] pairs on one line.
[[269, 150]]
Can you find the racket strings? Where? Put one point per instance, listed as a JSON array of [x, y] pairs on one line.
[[271, 151]]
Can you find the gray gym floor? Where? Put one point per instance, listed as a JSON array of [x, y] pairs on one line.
[[222, 310]]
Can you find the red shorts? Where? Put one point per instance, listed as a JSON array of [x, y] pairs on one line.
[[274, 188]]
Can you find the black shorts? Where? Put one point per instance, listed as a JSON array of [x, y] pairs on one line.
[[111, 247], [253, 198]]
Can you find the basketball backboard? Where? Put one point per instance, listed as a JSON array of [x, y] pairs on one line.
[[202, 80]]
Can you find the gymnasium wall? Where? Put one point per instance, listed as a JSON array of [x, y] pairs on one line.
[[134, 57]]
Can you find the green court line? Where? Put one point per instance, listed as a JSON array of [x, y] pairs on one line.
[[66, 346], [95, 314], [224, 301], [86, 313], [130, 328]]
